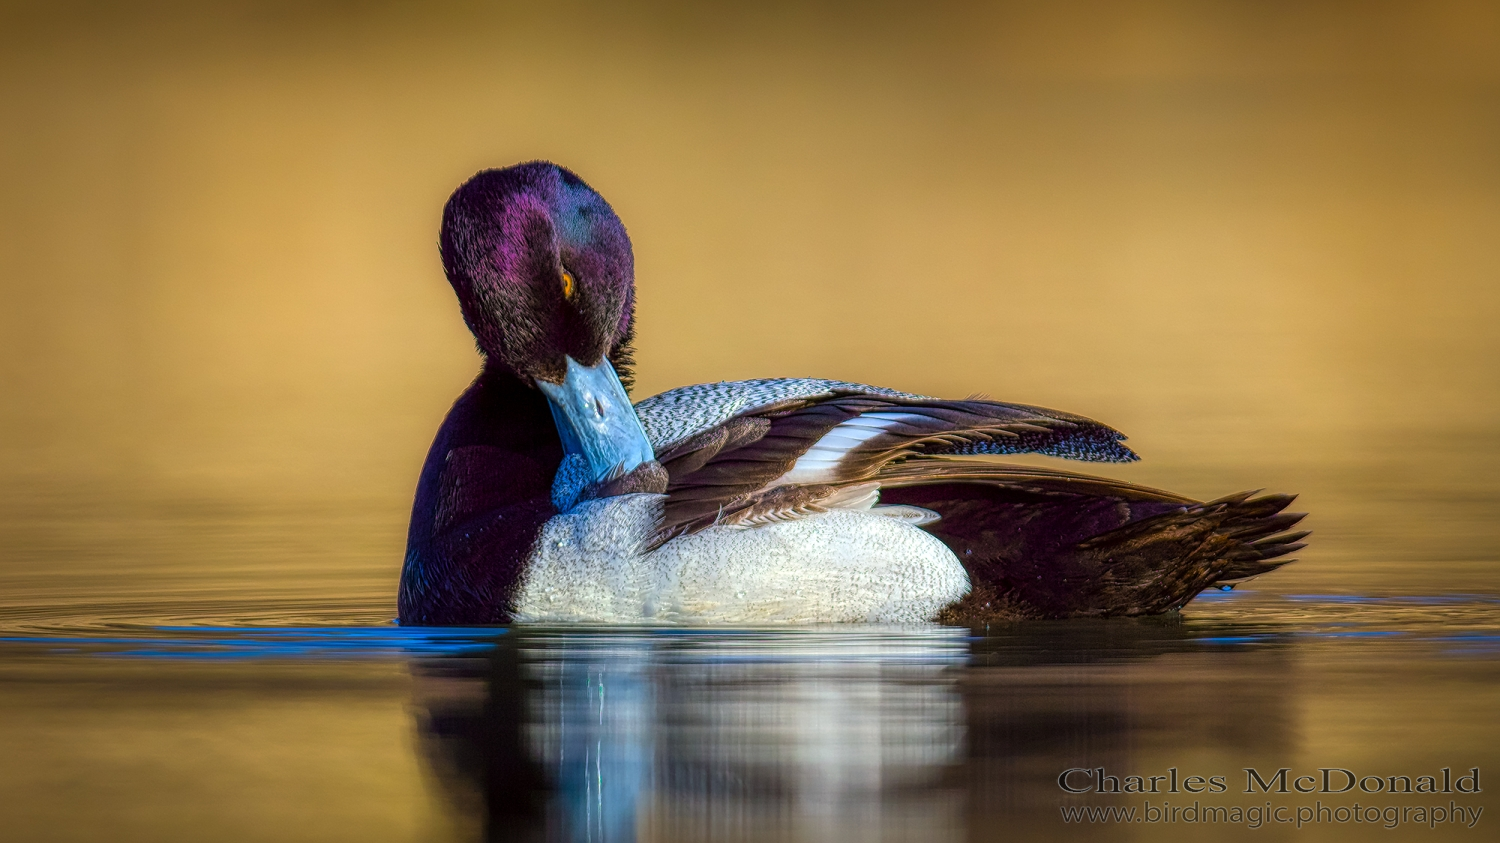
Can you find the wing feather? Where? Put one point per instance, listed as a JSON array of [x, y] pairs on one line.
[[842, 435]]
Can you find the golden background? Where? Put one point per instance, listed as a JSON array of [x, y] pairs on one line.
[[1261, 238]]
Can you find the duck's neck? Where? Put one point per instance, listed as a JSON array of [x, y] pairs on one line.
[[512, 422]]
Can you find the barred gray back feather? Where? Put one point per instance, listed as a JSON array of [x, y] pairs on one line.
[[676, 414]]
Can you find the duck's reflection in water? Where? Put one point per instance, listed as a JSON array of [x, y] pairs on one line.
[[809, 735], [626, 736]]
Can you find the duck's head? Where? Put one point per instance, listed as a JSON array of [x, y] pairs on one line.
[[546, 279]]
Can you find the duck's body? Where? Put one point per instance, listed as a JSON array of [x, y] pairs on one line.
[[545, 498]]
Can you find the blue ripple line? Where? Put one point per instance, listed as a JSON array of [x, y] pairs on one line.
[[274, 642], [1236, 639], [1417, 599]]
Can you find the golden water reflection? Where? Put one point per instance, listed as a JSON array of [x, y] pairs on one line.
[[379, 733]]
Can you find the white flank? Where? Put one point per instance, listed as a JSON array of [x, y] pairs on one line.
[[835, 567]]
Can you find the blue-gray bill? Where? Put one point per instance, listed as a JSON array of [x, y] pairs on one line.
[[594, 418]]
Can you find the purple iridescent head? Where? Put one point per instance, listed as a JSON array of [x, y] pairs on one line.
[[542, 268]]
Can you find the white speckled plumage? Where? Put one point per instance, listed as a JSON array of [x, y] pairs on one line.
[[857, 563], [839, 566]]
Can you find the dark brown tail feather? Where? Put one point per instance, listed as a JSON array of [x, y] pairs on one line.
[[1039, 543]]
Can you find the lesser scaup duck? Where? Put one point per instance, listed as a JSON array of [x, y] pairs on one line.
[[547, 497]]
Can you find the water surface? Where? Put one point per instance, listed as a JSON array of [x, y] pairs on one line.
[[182, 703]]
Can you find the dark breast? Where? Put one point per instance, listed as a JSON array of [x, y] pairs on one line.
[[484, 494]]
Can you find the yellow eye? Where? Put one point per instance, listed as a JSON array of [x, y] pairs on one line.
[[567, 279]]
